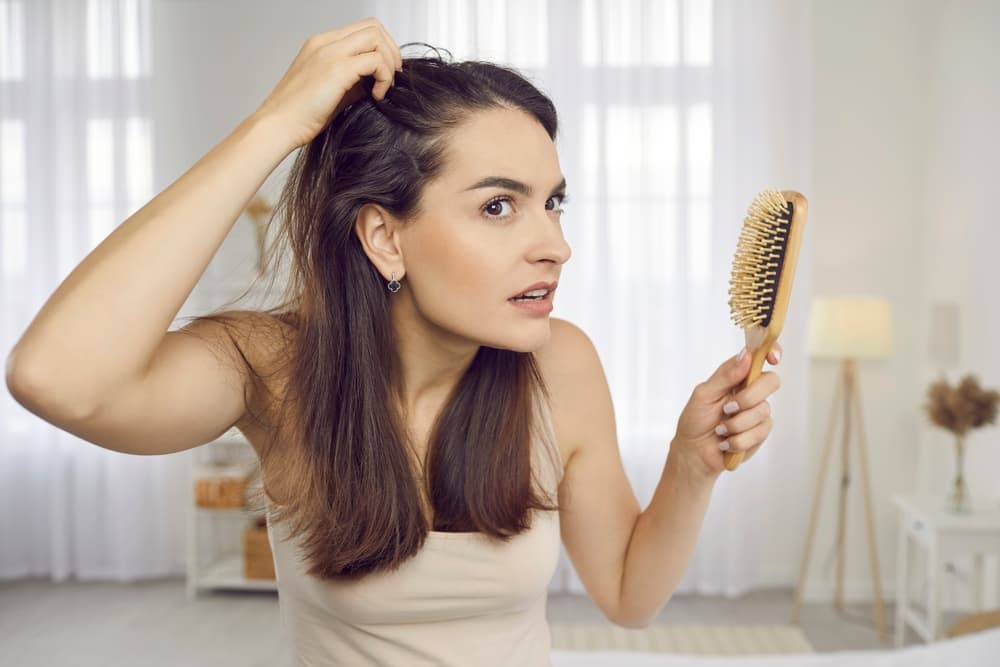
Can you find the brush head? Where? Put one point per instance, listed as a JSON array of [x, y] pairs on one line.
[[759, 259]]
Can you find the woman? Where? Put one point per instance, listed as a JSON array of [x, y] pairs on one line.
[[426, 432]]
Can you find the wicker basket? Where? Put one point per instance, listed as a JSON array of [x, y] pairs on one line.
[[258, 563], [221, 486]]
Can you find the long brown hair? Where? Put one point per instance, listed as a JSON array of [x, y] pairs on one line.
[[339, 446]]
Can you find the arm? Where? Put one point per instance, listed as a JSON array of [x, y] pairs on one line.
[[666, 532], [101, 328], [630, 560], [662, 542]]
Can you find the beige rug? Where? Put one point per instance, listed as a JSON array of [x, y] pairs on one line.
[[682, 639]]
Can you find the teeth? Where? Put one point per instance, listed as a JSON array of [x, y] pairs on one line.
[[535, 292]]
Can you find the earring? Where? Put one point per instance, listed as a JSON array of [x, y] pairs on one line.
[[393, 284]]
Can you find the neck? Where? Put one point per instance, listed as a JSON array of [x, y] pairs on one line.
[[432, 359]]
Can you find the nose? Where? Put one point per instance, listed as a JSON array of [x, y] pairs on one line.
[[552, 245]]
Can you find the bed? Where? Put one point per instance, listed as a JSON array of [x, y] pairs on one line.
[[981, 649]]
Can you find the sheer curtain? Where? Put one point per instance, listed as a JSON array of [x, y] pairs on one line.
[[75, 140], [673, 115]]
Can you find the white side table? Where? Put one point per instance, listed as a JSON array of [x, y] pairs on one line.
[[944, 536]]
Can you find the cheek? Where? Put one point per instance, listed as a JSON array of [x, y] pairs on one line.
[[454, 270], [470, 265], [465, 272], [458, 270]]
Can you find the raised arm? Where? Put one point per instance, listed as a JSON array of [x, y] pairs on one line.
[[97, 360], [102, 326]]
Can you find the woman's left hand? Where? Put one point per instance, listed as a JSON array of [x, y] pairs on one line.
[[717, 416]]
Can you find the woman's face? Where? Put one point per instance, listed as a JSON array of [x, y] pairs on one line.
[[479, 242]]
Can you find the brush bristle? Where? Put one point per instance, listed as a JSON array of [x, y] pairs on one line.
[[757, 263]]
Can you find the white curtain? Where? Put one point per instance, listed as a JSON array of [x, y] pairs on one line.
[[75, 141], [673, 115]]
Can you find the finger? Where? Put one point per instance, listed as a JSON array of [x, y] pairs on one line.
[[744, 421], [741, 442], [389, 49], [383, 80], [367, 42], [393, 48], [371, 64], [728, 375], [774, 354], [319, 40], [362, 40], [766, 384], [385, 44]]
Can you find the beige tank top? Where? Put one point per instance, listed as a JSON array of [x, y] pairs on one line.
[[463, 599]]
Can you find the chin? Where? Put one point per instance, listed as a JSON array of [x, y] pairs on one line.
[[532, 340]]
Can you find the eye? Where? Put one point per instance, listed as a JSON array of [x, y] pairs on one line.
[[563, 200], [493, 208]]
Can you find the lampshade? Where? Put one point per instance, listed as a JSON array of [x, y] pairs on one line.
[[853, 328]]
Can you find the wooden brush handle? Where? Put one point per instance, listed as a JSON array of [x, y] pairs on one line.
[[734, 459], [758, 338]]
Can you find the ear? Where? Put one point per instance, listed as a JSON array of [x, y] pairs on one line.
[[378, 233]]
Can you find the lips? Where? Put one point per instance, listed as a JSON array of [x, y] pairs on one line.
[[547, 286]]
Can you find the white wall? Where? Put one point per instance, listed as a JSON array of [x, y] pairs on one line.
[[906, 99], [906, 102], [214, 62], [962, 239], [961, 252]]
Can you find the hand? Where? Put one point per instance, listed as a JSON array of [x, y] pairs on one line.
[[697, 443], [325, 77]]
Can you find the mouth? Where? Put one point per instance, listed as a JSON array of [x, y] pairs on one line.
[[535, 298], [533, 305], [536, 292]]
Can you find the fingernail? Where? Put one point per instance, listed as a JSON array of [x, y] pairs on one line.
[[730, 408], [721, 430], [777, 356], [724, 445]]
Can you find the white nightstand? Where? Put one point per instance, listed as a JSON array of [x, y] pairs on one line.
[[944, 536]]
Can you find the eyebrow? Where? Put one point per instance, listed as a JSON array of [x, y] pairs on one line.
[[511, 184]]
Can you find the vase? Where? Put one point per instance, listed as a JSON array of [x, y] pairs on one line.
[[958, 498]]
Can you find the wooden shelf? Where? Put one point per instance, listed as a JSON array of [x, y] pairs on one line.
[[217, 563], [227, 573]]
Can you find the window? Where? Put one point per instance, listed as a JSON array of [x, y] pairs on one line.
[[73, 109], [633, 84], [75, 144]]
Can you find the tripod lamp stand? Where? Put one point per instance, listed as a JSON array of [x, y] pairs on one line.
[[847, 330]]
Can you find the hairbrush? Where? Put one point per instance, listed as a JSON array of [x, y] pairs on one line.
[[763, 271]]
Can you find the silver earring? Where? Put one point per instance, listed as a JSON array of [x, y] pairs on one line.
[[393, 284]]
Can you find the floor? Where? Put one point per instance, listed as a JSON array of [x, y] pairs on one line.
[[152, 623]]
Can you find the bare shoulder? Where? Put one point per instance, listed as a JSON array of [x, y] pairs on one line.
[[570, 366], [256, 338], [261, 342], [597, 506], [567, 343]]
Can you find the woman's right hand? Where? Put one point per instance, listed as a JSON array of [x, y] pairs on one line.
[[326, 76]]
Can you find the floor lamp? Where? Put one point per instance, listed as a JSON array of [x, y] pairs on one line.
[[847, 330]]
